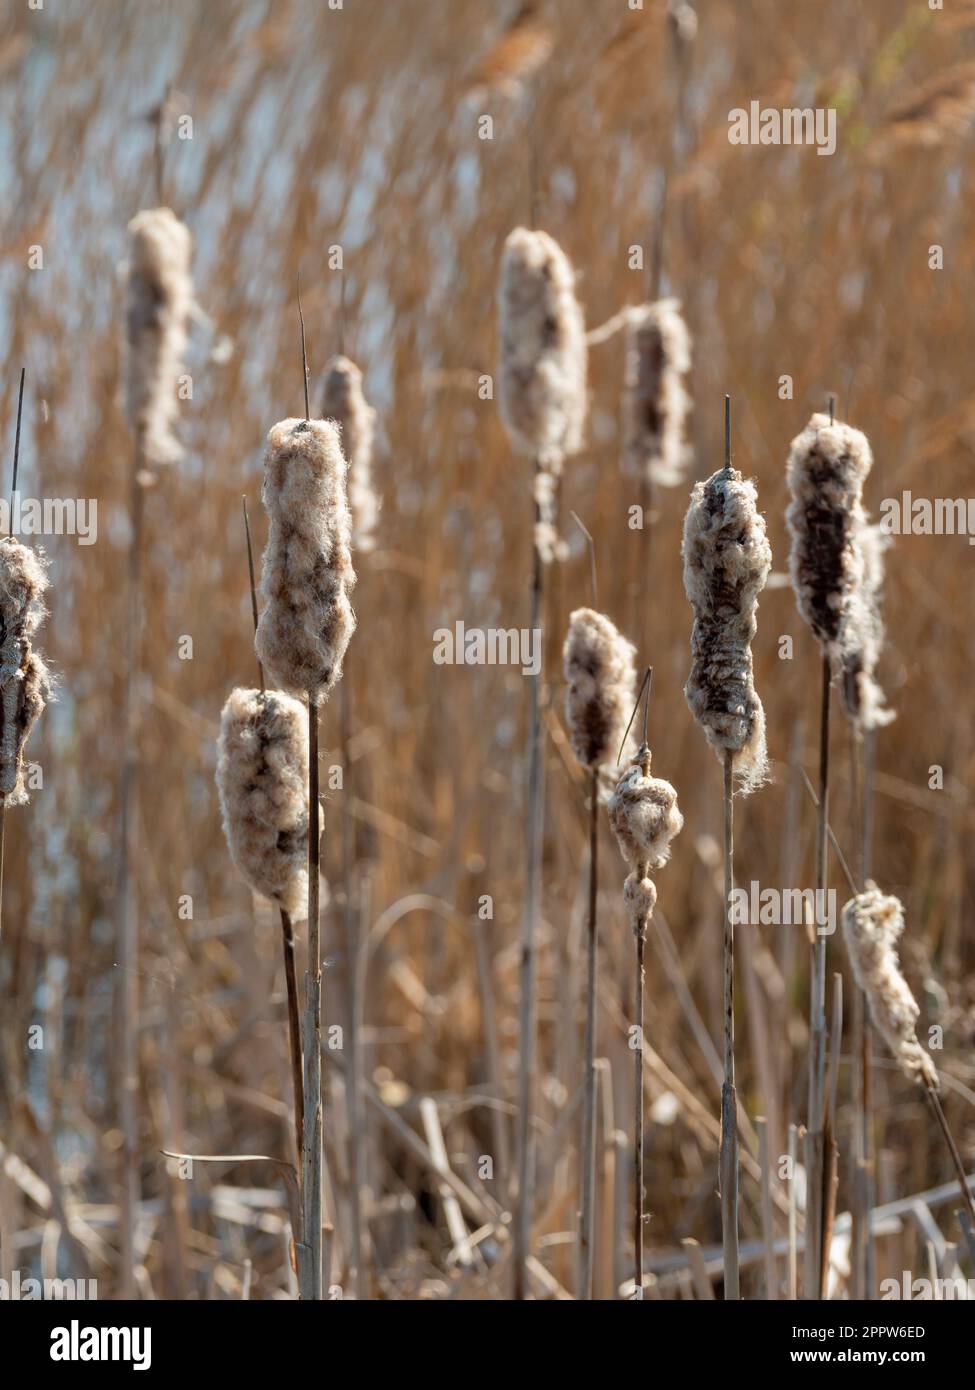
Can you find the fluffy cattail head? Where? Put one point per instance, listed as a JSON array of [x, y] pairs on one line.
[[872, 924], [601, 687], [307, 618], [639, 899], [655, 403], [344, 402], [726, 563], [543, 349], [160, 299], [826, 471], [863, 636], [645, 817], [25, 687], [262, 780]]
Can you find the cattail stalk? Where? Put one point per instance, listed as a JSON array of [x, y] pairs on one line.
[[344, 401], [261, 775], [311, 1167], [302, 636], [827, 466], [872, 925], [726, 564], [13, 489], [287, 929], [815, 1138], [542, 395], [865, 707], [645, 818], [159, 303], [728, 1164], [587, 1225], [600, 680]]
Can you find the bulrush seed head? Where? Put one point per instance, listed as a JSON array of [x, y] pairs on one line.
[[826, 471], [863, 637], [160, 300], [872, 925], [344, 402], [601, 687], [262, 781], [655, 402], [307, 618], [543, 349], [639, 899], [726, 563], [645, 817], [25, 687], [542, 373]]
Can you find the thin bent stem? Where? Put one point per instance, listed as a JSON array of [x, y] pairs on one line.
[[588, 1156], [939, 1114], [729, 1102], [526, 1021]]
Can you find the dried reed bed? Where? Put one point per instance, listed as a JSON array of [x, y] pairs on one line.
[[784, 265]]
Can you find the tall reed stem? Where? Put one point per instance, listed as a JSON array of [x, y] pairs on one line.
[[588, 1154], [127, 925], [817, 1019], [287, 932], [866, 1181], [13, 490], [729, 1102], [352, 1083], [294, 1029], [310, 1268], [526, 1060], [638, 1065]]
